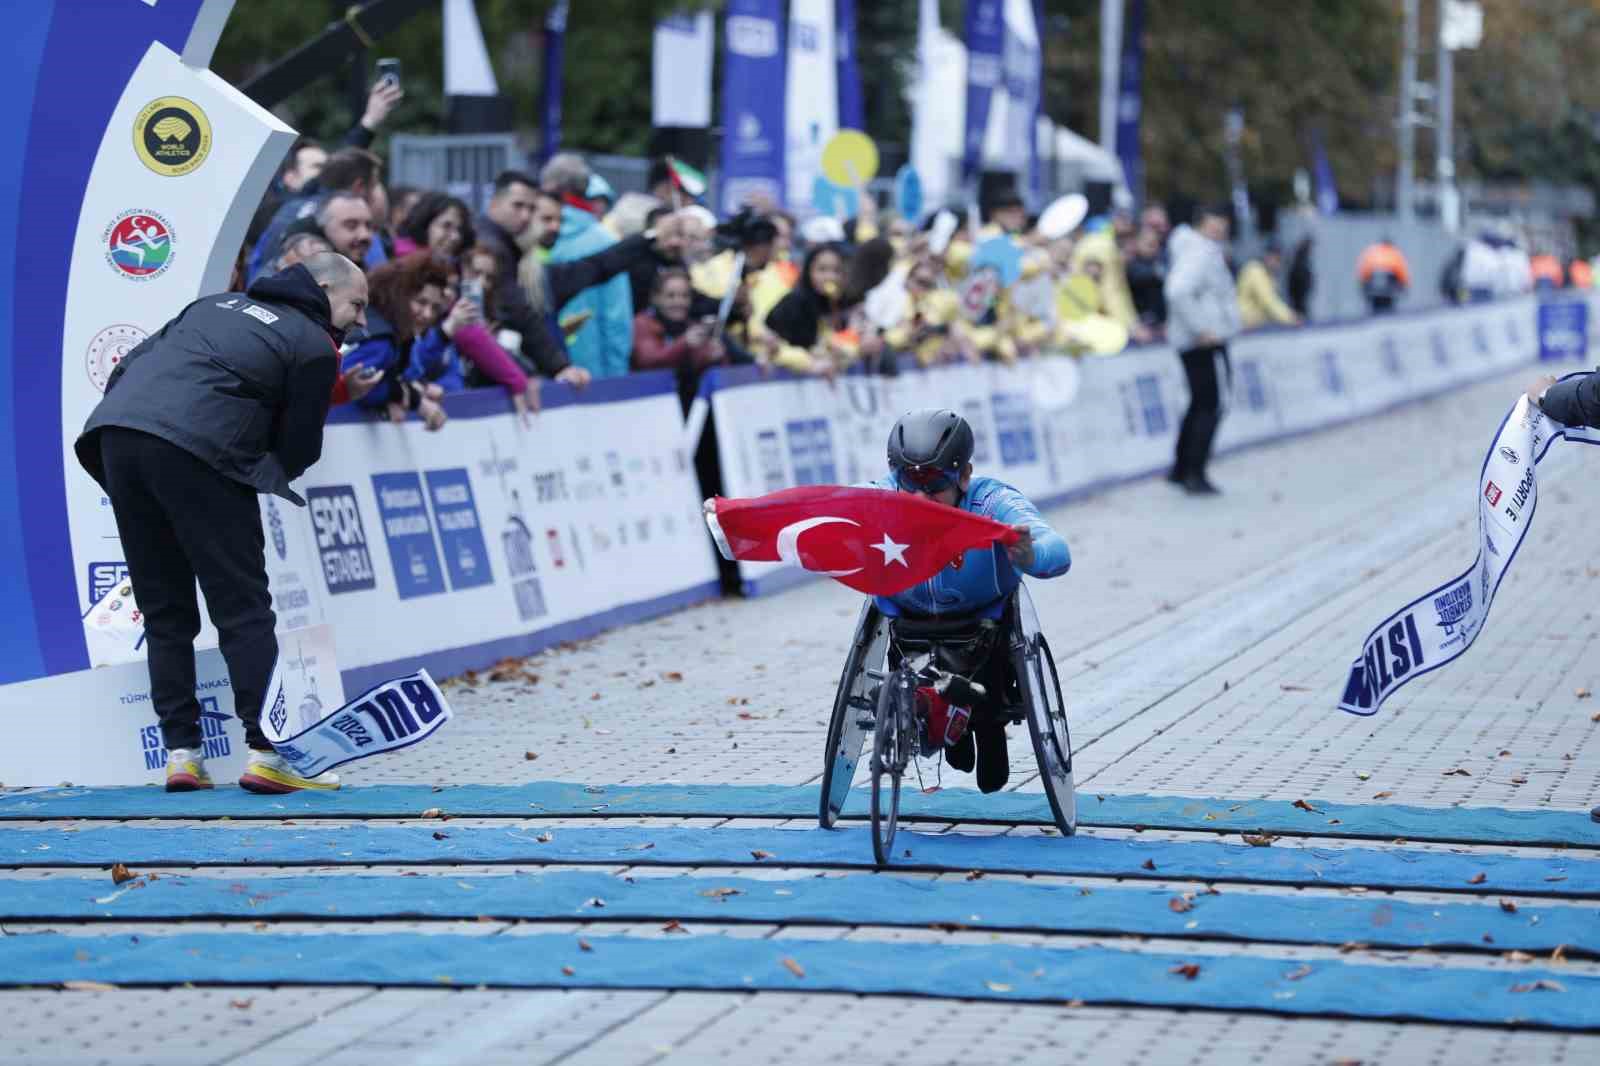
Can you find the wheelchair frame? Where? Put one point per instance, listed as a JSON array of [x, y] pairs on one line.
[[855, 712]]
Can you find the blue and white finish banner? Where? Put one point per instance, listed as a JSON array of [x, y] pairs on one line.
[[1055, 427], [312, 739], [1439, 626]]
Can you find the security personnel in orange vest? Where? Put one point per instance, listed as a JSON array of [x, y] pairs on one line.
[[1383, 274], [1580, 275], [1547, 272]]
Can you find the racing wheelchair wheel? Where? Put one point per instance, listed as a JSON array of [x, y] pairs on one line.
[[894, 739], [853, 712], [1047, 712]]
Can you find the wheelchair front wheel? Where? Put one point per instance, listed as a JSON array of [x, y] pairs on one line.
[[892, 740], [1047, 723]]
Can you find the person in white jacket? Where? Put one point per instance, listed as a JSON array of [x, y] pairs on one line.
[[1202, 316]]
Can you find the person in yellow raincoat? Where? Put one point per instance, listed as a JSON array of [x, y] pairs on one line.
[[1259, 302]]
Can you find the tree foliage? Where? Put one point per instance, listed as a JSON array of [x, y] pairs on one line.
[[1525, 106]]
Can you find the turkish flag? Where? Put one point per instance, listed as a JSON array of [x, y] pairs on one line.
[[873, 540]]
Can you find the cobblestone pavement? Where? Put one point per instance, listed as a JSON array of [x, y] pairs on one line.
[[1203, 645]]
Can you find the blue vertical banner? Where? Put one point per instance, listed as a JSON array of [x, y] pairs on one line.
[[753, 79], [1130, 98], [1035, 171], [555, 47], [852, 114], [1327, 193], [985, 39]]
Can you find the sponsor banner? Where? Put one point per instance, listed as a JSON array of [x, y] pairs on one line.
[[1438, 626], [492, 531], [97, 727], [680, 71], [985, 40], [313, 738], [1563, 329], [1055, 426], [811, 104], [752, 112]]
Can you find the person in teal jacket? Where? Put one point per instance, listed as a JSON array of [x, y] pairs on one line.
[[930, 453], [604, 344]]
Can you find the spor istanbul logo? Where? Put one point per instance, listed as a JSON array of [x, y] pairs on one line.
[[107, 349], [139, 244], [172, 136]]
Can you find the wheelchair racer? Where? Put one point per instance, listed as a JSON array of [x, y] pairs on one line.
[[930, 453]]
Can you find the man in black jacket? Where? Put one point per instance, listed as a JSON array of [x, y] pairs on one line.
[[1573, 402], [226, 401]]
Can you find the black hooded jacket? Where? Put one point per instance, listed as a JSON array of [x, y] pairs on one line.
[[797, 318], [1574, 401], [241, 381]]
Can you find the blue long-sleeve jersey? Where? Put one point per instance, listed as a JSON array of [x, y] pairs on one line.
[[986, 576]]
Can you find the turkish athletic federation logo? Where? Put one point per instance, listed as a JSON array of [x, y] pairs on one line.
[[139, 244]]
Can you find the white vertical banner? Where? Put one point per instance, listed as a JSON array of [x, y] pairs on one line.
[[680, 71], [1011, 110], [937, 113], [467, 70], [812, 100]]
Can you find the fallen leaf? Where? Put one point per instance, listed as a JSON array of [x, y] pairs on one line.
[[568, 970], [792, 966], [1297, 973], [1293, 688], [545, 838], [1457, 772], [1353, 945], [973, 875], [584, 945], [241, 1004], [440, 836], [120, 873], [1382, 795], [1594, 718], [1518, 956], [259, 926], [674, 926], [1258, 840], [1074, 1003], [530, 755], [433, 812], [758, 855], [646, 846], [1477, 878], [672, 675], [1148, 864], [1544, 984], [1362, 775], [996, 986], [718, 893], [88, 986], [595, 902], [1189, 970], [1559, 954], [1519, 780], [1508, 906], [1304, 806], [1583, 693], [1179, 905]]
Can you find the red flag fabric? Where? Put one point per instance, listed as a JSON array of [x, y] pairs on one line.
[[873, 540]]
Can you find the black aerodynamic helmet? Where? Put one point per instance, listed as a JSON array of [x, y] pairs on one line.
[[926, 443]]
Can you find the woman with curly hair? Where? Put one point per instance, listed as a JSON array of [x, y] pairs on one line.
[[407, 300]]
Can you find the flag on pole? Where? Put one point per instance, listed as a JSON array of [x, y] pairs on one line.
[[752, 102], [680, 71], [874, 540], [555, 44], [852, 114], [985, 38]]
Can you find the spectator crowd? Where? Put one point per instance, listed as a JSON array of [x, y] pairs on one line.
[[560, 278]]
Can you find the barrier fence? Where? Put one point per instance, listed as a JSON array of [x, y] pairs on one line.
[[496, 537]]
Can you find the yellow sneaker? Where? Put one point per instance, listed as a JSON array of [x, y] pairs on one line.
[[268, 773], [186, 770]]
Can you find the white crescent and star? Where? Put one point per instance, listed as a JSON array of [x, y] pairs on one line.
[[789, 542], [788, 545]]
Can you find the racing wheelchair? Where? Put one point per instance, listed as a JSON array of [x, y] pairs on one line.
[[890, 658]]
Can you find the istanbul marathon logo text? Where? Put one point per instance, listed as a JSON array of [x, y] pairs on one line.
[[172, 136]]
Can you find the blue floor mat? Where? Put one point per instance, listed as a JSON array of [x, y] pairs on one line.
[[851, 900], [1135, 858], [989, 972], [1480, 825]]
